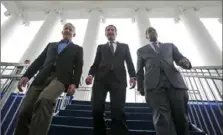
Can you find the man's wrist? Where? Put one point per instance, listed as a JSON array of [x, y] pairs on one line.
[[73, 84], [25, 77]]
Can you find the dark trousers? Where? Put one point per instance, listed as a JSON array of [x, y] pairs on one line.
[[37, 109], [169, 112], [117, 98], [191, 126]]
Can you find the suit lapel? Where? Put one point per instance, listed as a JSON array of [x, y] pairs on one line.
[[117, 48], [163, 49], [56, 47], [150, 50], [108, 47]]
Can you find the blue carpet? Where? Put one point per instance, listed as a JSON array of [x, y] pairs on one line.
[[206, 113], [75, 130], [7, 113], [77, 119], [88, 113]]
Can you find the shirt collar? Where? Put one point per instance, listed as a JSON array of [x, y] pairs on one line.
[[153, 42], [112, 41], [65, 41]]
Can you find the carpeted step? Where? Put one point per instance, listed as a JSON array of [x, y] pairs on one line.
[[108, 103], [88, 122], [74, 130], [85, 113], [127, 109]]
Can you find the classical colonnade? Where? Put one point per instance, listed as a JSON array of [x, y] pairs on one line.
[[209, 50]]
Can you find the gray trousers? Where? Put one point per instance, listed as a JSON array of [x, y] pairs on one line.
[[37, 109], [169, 111]]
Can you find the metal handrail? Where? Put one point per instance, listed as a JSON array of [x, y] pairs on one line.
[[207, 67], [201, 80], [205, 76], [204, 83]]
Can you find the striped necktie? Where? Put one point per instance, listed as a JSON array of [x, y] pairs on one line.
[[157, 49]]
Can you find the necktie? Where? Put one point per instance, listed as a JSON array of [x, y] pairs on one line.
[[156, 47], [111, 47]]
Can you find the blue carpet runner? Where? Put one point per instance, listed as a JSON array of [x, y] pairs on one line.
[[8, 112], [76, 119]]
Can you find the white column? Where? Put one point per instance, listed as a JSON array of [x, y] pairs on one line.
[[41, 38], [207, 47], [220, 20], [8, 27], [142, 22], [220, 16], [90, 39]]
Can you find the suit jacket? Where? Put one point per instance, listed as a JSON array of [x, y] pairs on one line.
[[105, 61], [67, 64], [153, 62]]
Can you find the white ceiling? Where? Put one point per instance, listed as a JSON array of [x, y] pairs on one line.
[[43, 5], [35, 10]]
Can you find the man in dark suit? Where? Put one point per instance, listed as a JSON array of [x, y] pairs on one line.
[[110, 75], [163, 85], [60, 68]]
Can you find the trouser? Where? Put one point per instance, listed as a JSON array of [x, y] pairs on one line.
[[169, 112], [117, 98], [37, 109], [191, 127]]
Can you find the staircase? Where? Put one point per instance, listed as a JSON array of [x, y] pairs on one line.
[[205, 106], [76, 119]]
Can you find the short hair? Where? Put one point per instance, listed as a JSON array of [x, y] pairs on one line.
[[111, 25], [147, 30], [69, 24]]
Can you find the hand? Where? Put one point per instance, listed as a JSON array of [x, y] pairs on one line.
[[89, 80], [71, 89], [132, 82], [22, 83], [185, 63], [141, 91]]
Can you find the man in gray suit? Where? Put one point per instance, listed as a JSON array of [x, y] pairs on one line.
[[163, 85]]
